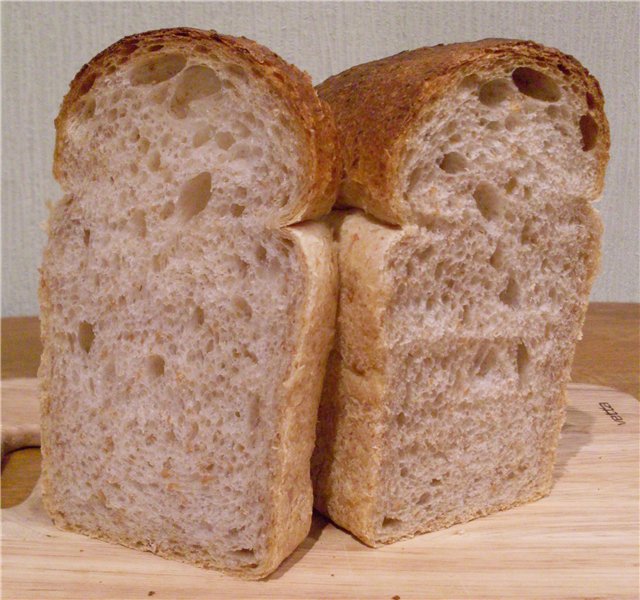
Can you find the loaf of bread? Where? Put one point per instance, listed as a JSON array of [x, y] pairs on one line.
[[464, 277], [186, 312]]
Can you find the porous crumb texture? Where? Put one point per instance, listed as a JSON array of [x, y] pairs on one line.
[[173, 309], [482, 300]]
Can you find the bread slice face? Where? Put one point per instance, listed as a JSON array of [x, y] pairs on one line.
[[482, 163], [186, 317]]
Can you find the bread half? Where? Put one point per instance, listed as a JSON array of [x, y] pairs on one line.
[[465, 278], [186, 312]]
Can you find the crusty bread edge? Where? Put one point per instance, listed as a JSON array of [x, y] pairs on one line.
[[317, 314], [311, 116], [362, 301], [403, 91], [291, 491], [348, 494]]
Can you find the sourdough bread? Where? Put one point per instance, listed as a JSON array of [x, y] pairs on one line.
[[186, 312], [464, 281]]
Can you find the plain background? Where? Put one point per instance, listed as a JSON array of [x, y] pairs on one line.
[[45, 43]]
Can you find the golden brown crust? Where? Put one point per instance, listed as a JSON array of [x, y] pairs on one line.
[[291, 497], [346, 465], [291, 493], [376, 105], [354, 418], [291, 489], [287, 81]]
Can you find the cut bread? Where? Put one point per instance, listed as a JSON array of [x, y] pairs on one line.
[[186, 313], [464, 281]]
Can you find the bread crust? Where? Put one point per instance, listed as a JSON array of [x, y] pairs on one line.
[[312, 116], [376, 106], [354, 412], [290, 493], [379, 107], [291, 497], [291, 490]]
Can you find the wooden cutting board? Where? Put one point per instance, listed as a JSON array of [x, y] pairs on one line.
[[580, 542]]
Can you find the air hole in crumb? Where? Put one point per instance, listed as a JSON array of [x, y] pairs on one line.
[[401, 419], [88, 108], [261, 253], [195, 83], [453, 162], [414, 178], [87, 84], [528, 234], [424, 498], [522, 361], [224, 140], [158, 69], [589, 131], [159, 262], [242, 306], [494, 92], [143, 145], [404, 472], [159, 93], [485, 362], [193, 431], [194, 196], [242, 129], [513, 121], [466, 315], [198, 316], [390, 522], [591, 102], [245, 554], [139, 222], [510, 185], [156, 47], [202, 136], [536, 85], [511, 294], [488, 200], [86, 236], [435, 482], [154, 161], [553, 111], [168, 208], [236, 210], [155, 366], [85, 336]]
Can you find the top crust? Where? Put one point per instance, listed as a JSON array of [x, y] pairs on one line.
[[394, 94], [293, 86]]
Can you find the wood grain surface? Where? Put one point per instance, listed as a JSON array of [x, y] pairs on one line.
[[609, 355], [579, 542]]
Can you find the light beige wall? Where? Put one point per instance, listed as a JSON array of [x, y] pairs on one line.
[[44, 44]]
